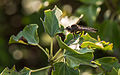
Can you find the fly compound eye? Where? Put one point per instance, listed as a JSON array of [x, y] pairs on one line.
[[68, 28]]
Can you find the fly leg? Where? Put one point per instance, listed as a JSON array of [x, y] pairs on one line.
[[74, 35]]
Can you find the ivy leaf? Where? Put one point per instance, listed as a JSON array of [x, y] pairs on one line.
[[85, 50], [7, 71], [113, 72], [88, 41], [87, 37], [41, 72], [70, 38], [64, 46], [58, 12], [16, 39], [90, 13], [25, 71], [51, 23], [74, 59], [108, 47], [91, 45], [62, 69], [29, 35], [107, 63]]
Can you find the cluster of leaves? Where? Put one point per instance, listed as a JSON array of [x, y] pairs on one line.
[[74, 52], [102, 14]]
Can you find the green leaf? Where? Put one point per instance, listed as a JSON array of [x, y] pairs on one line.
[[25, 71], [51, 23], [29, 34], [88, 70], [108, 47], [72, 55], [107, 63], [58, 12], [87, 37], [85, 50], [91, 45], [62, 69], [41, 72], [88, 41], [113, 72], [7, 71], [64, 46], [74, 59], [70, 39], [97, 45], [96, 2], [15, 39], [90, 13]]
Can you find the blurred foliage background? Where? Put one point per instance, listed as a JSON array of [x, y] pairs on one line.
[[103, 15]]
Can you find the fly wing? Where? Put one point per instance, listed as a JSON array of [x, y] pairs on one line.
[[80, 19], [88, 29], [81, 22]]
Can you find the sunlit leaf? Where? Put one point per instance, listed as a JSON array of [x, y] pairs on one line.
[[91, 45], [62, 69], [88, 41], [97, 45], [87, 37], [58, 12], [7, 71], [25, 71], [108, 47], [51, 23]]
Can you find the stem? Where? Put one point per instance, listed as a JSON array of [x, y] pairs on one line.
[[41, 69], [57, 53], [58, 58], [51, 50], [43, 50]]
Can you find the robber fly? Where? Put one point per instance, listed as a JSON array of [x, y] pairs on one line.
[[78, 27]]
